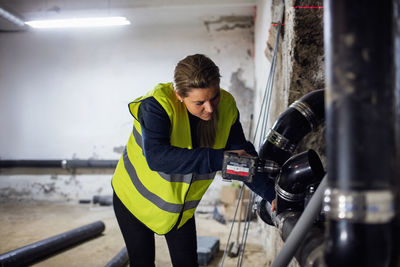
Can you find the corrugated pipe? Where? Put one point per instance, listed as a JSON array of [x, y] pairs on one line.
[[359, 201], [42, 249], [64, 164], [299, 119]]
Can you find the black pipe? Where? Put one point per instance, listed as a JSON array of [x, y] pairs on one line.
[[31, 164], [310, 247], [360, 132], [103, 200], [298, 120], [264, 211], [37, 251], [297, 174], [120, 260], [396, 13], [65, 164]]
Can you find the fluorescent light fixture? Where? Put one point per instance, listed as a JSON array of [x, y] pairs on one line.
[[79, 22]]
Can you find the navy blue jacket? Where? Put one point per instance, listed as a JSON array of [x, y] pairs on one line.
[[161, 156]]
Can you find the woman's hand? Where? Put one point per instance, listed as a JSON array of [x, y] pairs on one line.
[[273, 205], [240, 152]]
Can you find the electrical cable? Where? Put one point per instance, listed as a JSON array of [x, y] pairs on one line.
[[265, 103], [245, 229], [230, 232]]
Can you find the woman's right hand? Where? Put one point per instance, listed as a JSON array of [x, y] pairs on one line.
[[273, 205]]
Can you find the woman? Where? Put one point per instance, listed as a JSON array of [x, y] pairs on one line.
[[180, 133]]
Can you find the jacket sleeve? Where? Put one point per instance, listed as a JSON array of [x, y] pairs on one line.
[[163, 157], [237, 140], [261, 185]]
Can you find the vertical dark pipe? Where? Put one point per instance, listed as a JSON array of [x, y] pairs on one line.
[[396, 22], [360, 132]]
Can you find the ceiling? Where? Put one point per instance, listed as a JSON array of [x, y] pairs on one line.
[[51, 9]]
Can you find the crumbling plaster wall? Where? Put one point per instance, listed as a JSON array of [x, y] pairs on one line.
[[300, 69], [300, 64]]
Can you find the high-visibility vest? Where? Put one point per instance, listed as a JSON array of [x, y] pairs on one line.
[[156, 198]]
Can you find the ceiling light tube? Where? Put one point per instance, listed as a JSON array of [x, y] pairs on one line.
[[79, 22]]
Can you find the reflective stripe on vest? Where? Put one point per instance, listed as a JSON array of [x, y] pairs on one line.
[[153, 198], [180, 178]]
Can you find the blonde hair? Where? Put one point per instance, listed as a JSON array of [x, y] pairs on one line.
[[198, 71]]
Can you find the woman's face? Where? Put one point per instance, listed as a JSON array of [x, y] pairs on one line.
[[202, 102]]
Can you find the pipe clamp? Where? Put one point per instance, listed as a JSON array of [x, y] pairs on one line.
[[287, 195], [306, 111], [280, 141], [368, 206]]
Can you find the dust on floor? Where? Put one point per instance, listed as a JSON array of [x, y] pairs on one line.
[[25, 223]]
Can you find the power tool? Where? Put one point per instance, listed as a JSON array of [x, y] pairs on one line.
[[244, 168]]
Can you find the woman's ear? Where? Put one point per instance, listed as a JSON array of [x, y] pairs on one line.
[[178, 96]]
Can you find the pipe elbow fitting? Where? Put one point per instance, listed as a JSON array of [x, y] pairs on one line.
[[297, 174]]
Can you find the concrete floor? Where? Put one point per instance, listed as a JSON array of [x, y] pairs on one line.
[[25, 223]]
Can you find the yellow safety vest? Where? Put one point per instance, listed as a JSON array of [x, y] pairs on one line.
[[157, 198]]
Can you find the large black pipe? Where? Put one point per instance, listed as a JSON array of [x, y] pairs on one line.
[[292, 125], [65, 164], [37, 251], [301, 228], [310, 248], [360, 132], [396, 251]]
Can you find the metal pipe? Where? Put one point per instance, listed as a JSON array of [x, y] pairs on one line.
[[37, 251], [360, 132], [120, 260], [65, 164], [301, 228]]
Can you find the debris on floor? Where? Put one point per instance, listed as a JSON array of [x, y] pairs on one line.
[[207, 249]]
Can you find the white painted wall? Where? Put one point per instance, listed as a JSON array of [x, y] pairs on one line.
[[261, 63], [64, 93]]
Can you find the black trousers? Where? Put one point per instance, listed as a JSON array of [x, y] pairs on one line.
[[139, 240]]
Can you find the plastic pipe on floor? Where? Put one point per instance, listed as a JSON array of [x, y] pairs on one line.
[[37, 251], [120, 260]]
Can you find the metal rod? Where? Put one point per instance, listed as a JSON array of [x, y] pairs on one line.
[[301, 228], [35, 252]]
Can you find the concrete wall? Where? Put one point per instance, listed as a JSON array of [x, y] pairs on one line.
[[64, 93]]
